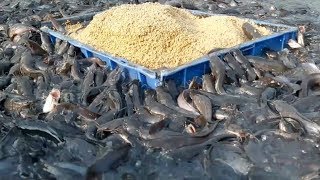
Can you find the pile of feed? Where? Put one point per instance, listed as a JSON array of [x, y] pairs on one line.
[[158, 36]]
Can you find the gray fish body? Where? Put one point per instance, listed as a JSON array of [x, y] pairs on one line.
[[218, 70], [308, 82], [204, 106], [287, 110], [46, 43], [234, 65], [265, 65], [63, 48], [250, 31], [245, 64], [25, 87], [207, 83], [283, 57]]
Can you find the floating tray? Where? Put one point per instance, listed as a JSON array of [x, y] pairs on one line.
[[182, 74]]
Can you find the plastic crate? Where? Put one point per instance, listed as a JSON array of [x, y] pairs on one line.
[[185, 73]]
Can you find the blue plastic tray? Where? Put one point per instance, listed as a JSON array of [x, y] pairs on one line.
[[182, 74]]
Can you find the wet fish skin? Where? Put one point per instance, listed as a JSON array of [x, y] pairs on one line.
[[90, 133], [71, 50], [56, 24], [107, 116], [286, 110], [207, 83], [218, 71], [283, 57], [114, 77], [184, 104], [88, 81], [218, 99], [300, 38], [235, 65], [24, 87], [266, 95], [265, 65], [98, 101], [204, 106], [92, 92], [172, 88], [250, 31], [158, 126], [129, 104], [63, 67], [40, 128], [57, 44], [35, 48], [19, 28], [307, 84], [99, 77], [4, 81], [5, 67], [313, 102], [105, 163], [41, 65], [289, 125], [16, 103], [63, 48], [245, 64], [46, 43], [24, 169], [116, 100], [84, 112], [134, 92], [62, 173], [27, 66], [164, 97], [75, 70], [87, 114], [249, 90], [95, 60]]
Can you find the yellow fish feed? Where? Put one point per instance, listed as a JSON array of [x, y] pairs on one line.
[[159, 36]]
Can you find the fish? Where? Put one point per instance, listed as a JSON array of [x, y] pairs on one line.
[[35, 48], [264, 65], [40, 128], [183, 102], [300, 38], [286, 110], [46, 43], [207, 83], [172, 88], [283, 56], [63, 48], [245, 64], [307, 84], [24, 87], [19, 28], [166, 99], [250, 31], [204, 106], [235, 65], [106, 162], [218, 71], [27, 66], [56, 24]]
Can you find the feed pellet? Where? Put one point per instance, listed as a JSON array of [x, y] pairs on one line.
[[159, 36]]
